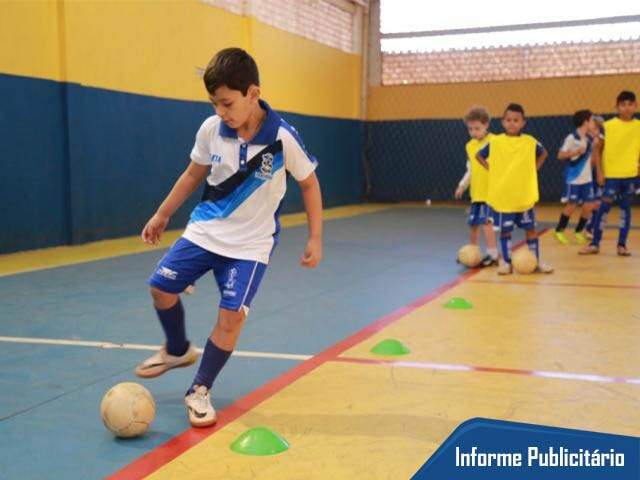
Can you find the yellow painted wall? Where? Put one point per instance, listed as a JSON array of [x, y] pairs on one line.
[[155, 48], [556, 96], [29, 38]]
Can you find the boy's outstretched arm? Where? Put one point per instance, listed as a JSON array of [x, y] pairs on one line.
[[541, 158], [182, 189], [312, 198]]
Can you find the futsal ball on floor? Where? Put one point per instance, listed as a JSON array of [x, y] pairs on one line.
[[470, 256], [127, 409], [524, 261]]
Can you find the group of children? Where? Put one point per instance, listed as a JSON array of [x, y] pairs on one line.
[[602, 165]]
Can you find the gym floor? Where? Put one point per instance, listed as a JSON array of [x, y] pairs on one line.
[[556, 350]]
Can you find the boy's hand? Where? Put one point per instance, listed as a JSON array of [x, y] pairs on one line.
[[312, 253], [600, 179], [152, 231], [459, 192]]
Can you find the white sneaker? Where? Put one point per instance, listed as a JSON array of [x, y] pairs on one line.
[[505, 268], [199, 409], [544, 268], [161, 361]]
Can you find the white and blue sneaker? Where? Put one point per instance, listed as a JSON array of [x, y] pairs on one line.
[[199, 409], [162, 361]]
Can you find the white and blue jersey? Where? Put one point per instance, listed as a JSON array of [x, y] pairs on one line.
[[235, 227], [578, 170], [238, 214]]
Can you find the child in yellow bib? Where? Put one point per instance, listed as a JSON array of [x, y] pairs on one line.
[[513, 159], [617, 166], [476, 177]]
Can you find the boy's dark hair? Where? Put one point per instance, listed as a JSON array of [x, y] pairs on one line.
[[624, 96], [514, 107], [232, 67], [581, 116], [477, 114]]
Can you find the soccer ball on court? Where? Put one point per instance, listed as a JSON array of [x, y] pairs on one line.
[[470, 256], [524, 261], [127, 409]]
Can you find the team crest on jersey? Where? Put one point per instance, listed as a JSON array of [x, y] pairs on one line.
[[266, 168]]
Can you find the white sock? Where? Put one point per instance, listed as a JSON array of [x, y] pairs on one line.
[[493, 252]]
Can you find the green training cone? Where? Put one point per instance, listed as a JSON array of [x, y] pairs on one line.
[[259, 441], [390, 346], [458, 303]]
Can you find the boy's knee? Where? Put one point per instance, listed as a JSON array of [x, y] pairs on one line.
[[230, 321], [163, 300]]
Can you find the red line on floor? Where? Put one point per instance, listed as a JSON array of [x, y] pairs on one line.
[[153, 460], [473, 368]]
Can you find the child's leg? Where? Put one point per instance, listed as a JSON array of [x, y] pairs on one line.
[[565, 216], [474, 237], [238, 281], [585, 214], [183, 264], [505, 246], [594, 211], [532, 241], [625, 219], [490, 239], [605, 206], [171, 315], [219, 346]]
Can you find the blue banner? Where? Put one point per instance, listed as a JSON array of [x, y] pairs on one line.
[[485, 449]]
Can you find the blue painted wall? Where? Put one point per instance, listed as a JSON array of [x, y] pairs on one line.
[[104, 175], [34, 180]]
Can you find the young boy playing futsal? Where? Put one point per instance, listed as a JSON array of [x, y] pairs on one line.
[[477, 122], [617, 165], [513, 160], [575, 152], [243, 152]]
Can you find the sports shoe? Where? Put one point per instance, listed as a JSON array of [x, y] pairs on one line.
[[162, 361], [589, 250], [488, 261], [505, 268], [199, 409], [561, 237], [544, 268], [623, 252], [581, 238]]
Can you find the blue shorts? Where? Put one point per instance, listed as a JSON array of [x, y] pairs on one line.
[[186, 262], [506, 222], [479, 214], [618, 187], [578, 193]]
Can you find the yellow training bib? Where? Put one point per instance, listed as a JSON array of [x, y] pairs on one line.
[[621, 148], [479, 174], [513, 179]]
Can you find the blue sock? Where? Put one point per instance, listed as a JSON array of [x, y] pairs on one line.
[[172, 321], [598, 222], [534, 246], [589, 227], [625, 221], [505, 247], [213, 359]]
